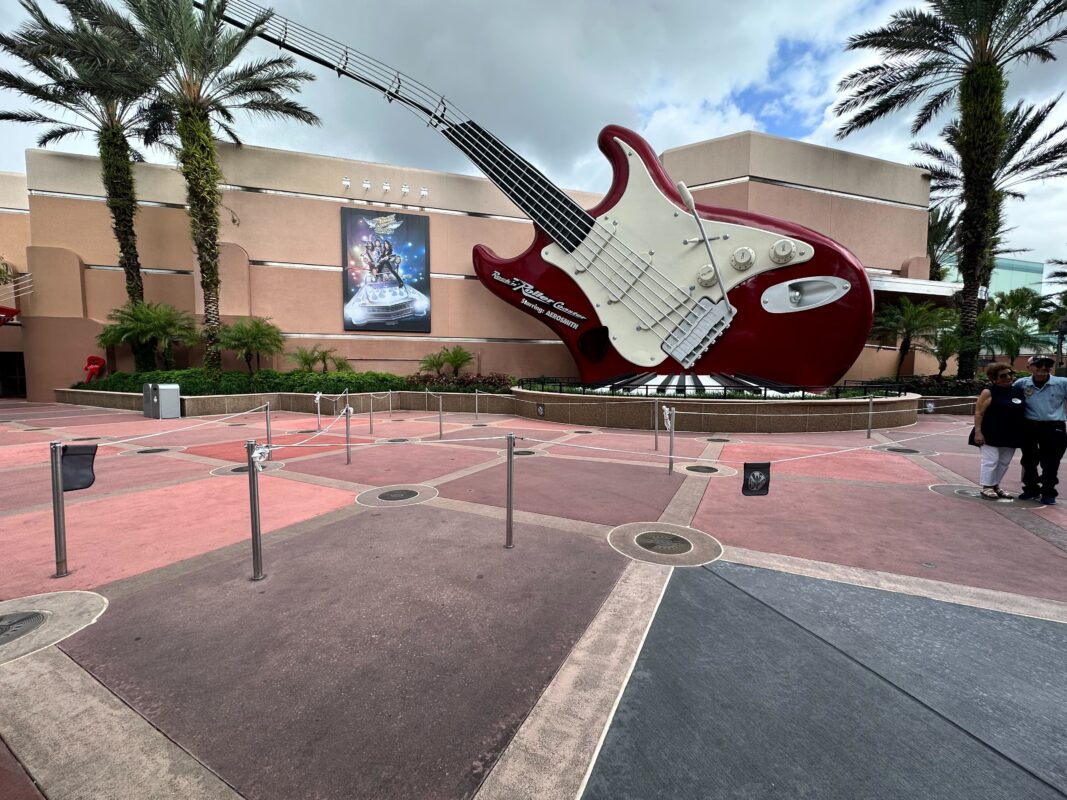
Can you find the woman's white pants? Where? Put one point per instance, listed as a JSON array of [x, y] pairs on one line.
[[995, 461]]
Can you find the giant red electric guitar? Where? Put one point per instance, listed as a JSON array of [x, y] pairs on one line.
[[646, 281]]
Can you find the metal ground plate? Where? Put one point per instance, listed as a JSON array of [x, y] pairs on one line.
[[404, 494], [152, 450], [667, 542], [904, 450], [969, 492], [242, 469], [702, 470], [65, 614]]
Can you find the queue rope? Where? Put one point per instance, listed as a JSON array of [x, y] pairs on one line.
[[191, 427]]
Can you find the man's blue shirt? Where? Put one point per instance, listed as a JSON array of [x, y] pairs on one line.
[[1044, 403]]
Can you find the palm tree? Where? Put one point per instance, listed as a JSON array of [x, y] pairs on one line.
[[956, 53], [250, 337], [325, 357], [1011, 337], [198, 93], [433, 362], [940, 239], [96, 85], [1017, 304], [906, 322], [156, 326], [306, 358], [457, 357], [341, 364], [943, 344]]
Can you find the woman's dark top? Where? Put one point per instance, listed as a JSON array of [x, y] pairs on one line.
[[1002, 424]]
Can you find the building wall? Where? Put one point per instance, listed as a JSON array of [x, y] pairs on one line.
[[281, 235]]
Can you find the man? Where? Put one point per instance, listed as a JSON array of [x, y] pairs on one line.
[[1045, 430]]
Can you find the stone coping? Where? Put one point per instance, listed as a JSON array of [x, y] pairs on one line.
[[727, 416]]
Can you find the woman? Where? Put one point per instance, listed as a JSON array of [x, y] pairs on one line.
[[998, 427]]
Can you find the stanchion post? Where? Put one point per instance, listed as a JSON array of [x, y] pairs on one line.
[[318, 411], [390, 404], [670, 459], [348, 434], [253, 503], [372, 412], [655, 419], [870, 415], [475, 405], [59, 522], [426, 397], [270, 441], [508, 542], [440, 416]]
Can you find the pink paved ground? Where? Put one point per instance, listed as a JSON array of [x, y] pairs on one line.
[[125, 535], [863, 508]]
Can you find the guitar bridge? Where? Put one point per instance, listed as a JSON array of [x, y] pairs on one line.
[[702, 325]]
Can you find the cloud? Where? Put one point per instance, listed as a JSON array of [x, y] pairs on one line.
[[546, 75]]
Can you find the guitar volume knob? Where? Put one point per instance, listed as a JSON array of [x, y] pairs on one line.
[[743, 258], [706, 276], [783, 251]]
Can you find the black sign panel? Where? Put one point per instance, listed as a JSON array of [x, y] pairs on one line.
[[757, 480], [77, 465]]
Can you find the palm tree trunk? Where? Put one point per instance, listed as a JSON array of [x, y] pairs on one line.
[[248, 363], [117, 174], [199, 162], [981, 139]]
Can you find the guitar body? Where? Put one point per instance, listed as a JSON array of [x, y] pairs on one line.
[[802, 302]]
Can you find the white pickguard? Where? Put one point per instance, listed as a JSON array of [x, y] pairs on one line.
[[653, 227]]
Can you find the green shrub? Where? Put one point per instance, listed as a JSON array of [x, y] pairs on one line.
[[494, 382], [194, 382]]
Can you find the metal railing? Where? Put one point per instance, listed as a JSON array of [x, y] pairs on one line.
[[847, 390]]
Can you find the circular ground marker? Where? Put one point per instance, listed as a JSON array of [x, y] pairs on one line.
[[395, 441], [397, 494], [153, 450], [525, 452], [716, 439], [668, 544], [309, 430], [86, 439], [903, 450], [12, 626], [242, 469], [236, 424], [581, 431], [702, 469], [974, 494], [909, 450], [405, 494], [35, 429], [480, 425]]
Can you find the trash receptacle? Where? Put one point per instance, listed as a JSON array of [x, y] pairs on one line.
[[162, 401]]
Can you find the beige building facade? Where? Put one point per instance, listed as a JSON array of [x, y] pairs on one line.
[[281, 248]]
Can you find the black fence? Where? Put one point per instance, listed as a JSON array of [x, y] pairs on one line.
[[619, 388]]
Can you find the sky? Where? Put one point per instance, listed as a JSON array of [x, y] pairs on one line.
[[546, 75]]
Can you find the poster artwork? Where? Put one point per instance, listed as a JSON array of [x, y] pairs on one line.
[[387, 271]]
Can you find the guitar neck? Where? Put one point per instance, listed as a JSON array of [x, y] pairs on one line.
[[543, 202]]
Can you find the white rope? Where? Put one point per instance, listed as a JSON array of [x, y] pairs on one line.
[[749, 444], [191, 427]]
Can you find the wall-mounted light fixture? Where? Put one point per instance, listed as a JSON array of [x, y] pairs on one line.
[[423, 191], [404, 188], [366, 185], [346, 182], [386, 186]]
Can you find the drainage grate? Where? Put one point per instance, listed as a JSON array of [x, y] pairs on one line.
[[582, 431], [153, 450], [36, 429], [667, 544], [702, 469], [396, 441], [14, 626], [236, 470], [86, 439], [901, 450], [480, 425], [236, 424], [524, 452], [398, 494], [716, 439]]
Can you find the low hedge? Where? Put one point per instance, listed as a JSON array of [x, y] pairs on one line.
[[934, 386], [200, 381]]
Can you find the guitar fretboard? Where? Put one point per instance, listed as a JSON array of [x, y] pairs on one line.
[[547, 205]]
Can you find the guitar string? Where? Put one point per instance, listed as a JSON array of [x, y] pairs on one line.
[[656, 316]]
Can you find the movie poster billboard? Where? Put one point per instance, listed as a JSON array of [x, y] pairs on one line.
[[386, 272]]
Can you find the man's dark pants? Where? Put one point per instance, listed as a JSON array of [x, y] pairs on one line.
[[1043, 446]]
